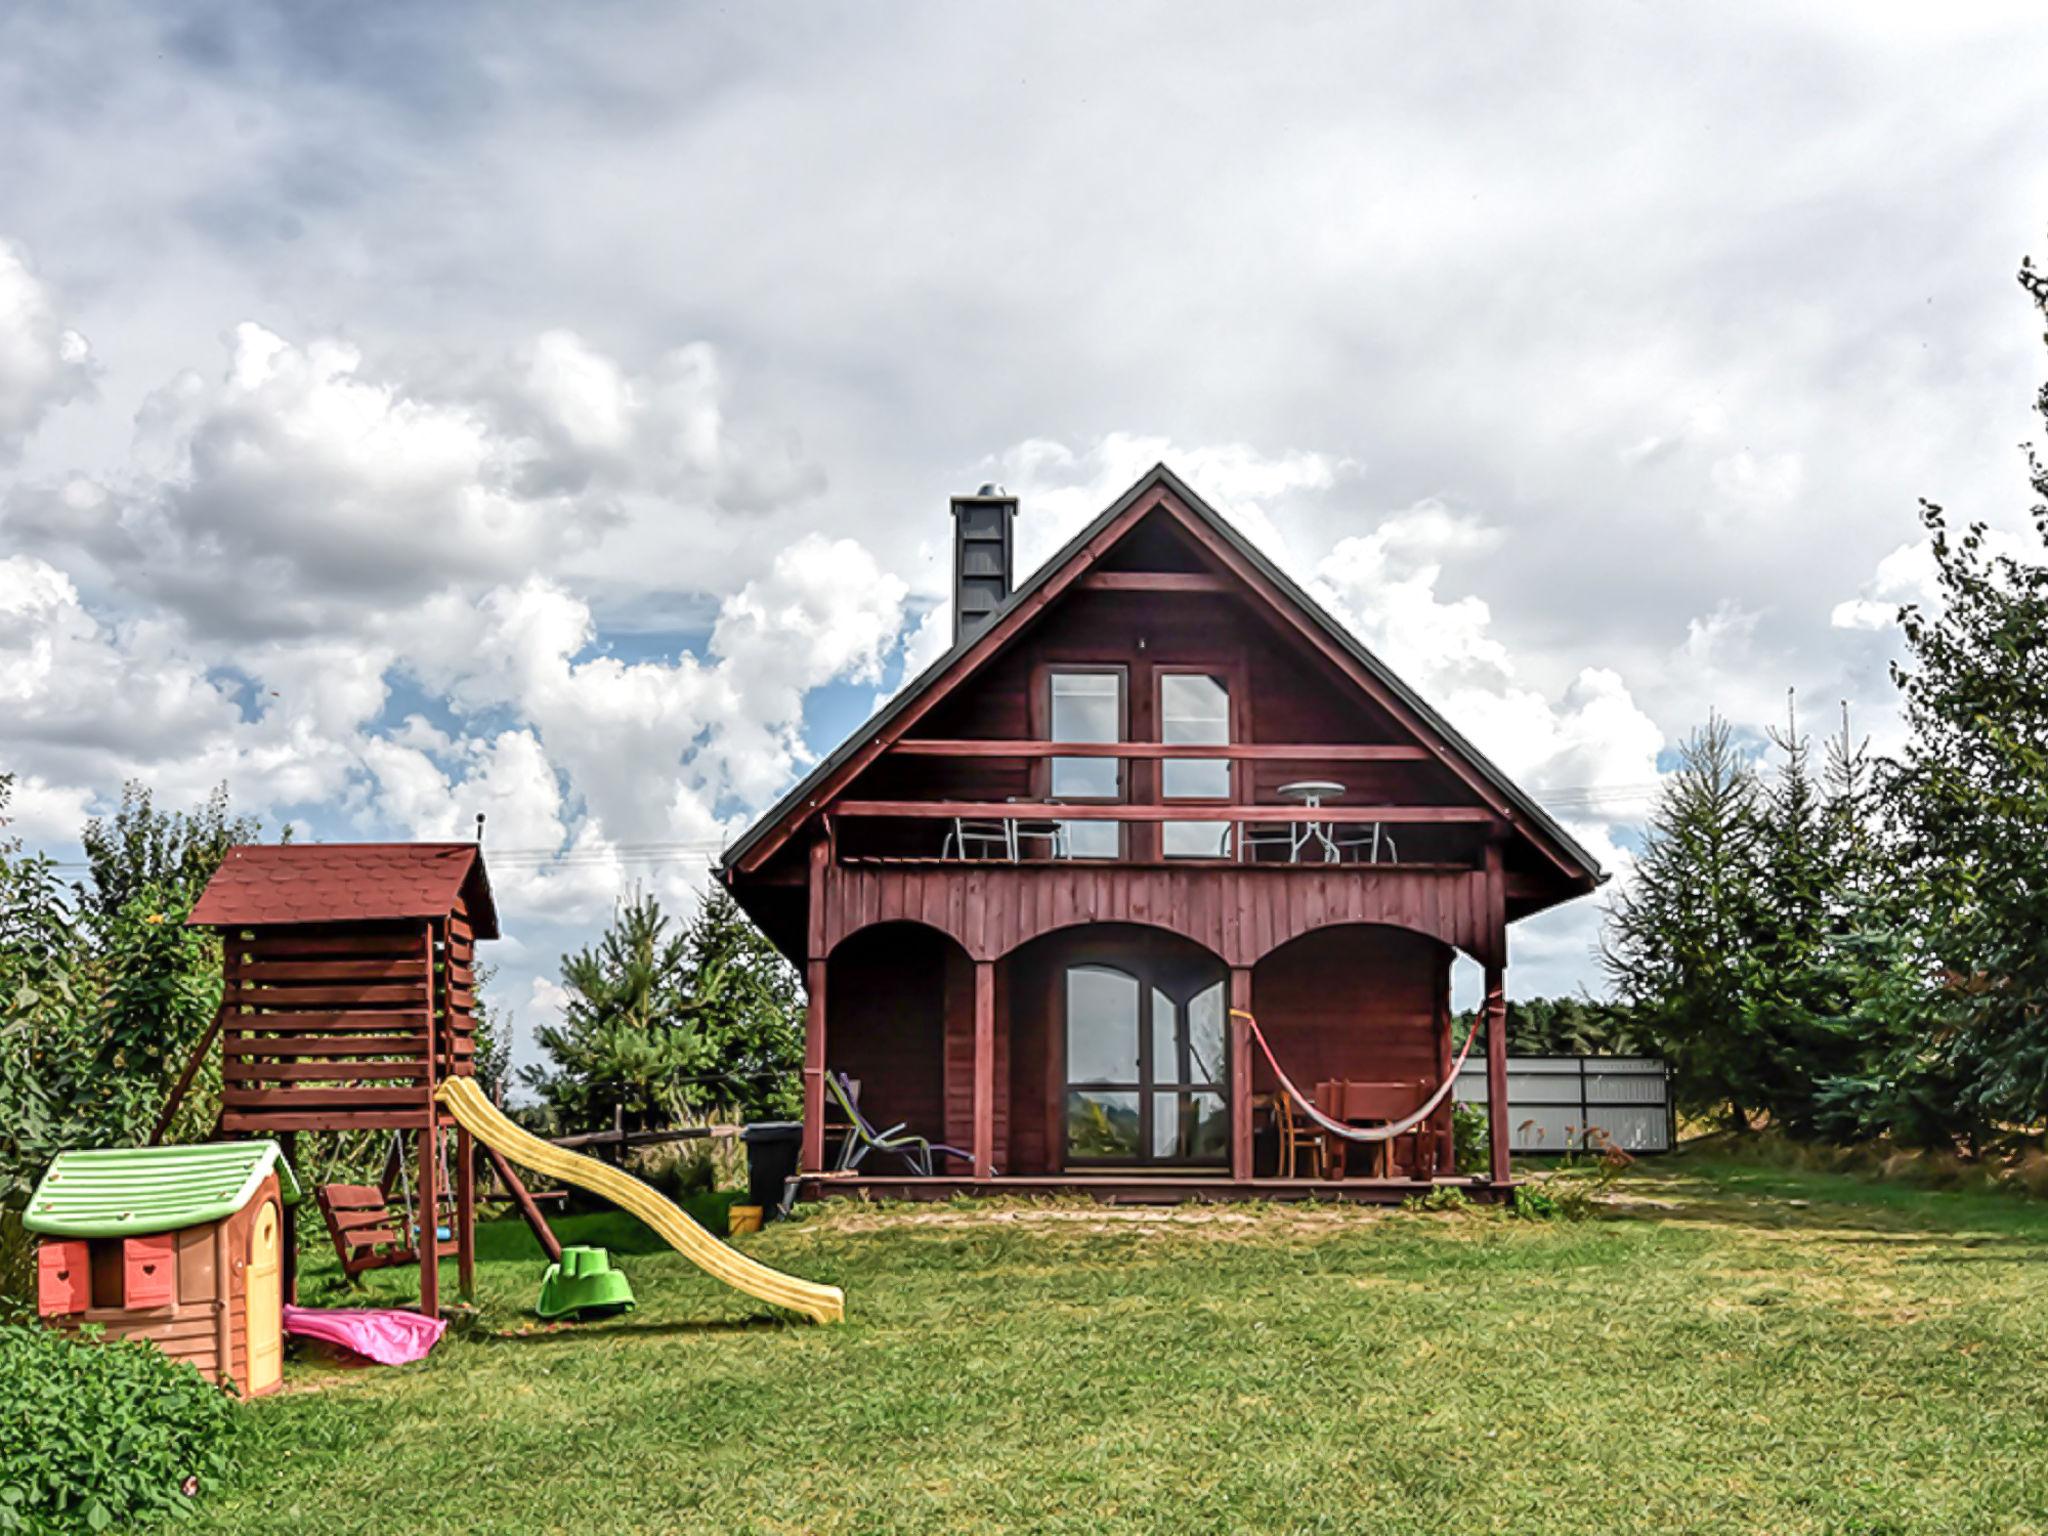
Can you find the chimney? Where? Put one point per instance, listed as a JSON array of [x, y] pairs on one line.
[[981, 558]]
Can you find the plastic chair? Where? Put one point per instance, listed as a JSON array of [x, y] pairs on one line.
[[862, 1138]]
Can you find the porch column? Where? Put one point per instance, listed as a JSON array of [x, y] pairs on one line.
[[1240, 1076], [1446, 1132], [984, 1069], [813, 1160], [1497, 1133], [811, 1157]]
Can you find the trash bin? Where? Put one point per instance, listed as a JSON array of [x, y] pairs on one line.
[[773, 1147]]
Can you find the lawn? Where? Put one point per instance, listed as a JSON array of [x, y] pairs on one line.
[[1726, 1350]]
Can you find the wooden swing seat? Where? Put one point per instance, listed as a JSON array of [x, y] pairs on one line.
[[369, 1229]]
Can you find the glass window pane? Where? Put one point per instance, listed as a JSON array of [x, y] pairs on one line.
[[1102, 1025], [1101, 1124], [1196, 839], [1086, 706], [1198, 778], [1205, 1013], [1086, 778], [1190, 1127], [1092, 839], [1167, 1061], [1194, 710]]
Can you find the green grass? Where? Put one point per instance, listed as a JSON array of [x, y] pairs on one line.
[[1729, 1349]]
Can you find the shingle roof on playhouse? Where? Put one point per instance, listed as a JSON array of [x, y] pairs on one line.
[[262, 883]]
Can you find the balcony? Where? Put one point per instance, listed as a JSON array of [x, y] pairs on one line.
[[954, 802]]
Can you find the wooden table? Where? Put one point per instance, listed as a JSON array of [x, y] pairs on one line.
[[1364, 1104]]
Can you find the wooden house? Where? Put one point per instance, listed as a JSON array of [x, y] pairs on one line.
[[1150, 790], [183, 1247], [349, 996]]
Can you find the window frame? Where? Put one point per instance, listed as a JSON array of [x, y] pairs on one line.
[[1230, 675], [1042, 768], [1169, 980]]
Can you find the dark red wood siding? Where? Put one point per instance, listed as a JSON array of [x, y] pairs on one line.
[[889, 1027]]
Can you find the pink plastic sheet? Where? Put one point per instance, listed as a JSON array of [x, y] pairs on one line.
[[389, 1338]]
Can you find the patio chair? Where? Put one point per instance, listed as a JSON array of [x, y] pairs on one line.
[[1249, 838], [1370, 844], [998, 837], [862, 1138]]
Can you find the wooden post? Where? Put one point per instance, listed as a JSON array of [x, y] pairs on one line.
[[1240, 1076], [465, 1215], [984, 1069], [1498, 1133], [812, 1159], [288, 1229], [528, 1207], [1446, 1133], [426, 1242]]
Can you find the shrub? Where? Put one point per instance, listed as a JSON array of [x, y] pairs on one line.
[[103, 1436], [1533, 1204], [1445, 1197], [1470, 1149]]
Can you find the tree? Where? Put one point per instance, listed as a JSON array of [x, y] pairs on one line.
[[1675, 938], [628, 1040], [1562, 1026], [1969, 800], [172, 854], [1797, 1020], [752, 1021], [668, 1026]]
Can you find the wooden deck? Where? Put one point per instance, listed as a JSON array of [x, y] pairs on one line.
[[1140, 1189]]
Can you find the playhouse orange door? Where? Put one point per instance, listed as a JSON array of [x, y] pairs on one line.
[[265, 1306]]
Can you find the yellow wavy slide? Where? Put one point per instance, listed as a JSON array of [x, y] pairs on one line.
[[463, 1099]]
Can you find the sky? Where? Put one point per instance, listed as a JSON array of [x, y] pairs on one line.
[[411, 412]]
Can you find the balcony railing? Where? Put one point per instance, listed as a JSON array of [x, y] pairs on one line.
[[1318, 819]]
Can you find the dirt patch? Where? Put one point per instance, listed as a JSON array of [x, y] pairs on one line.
[[1216, 1220]]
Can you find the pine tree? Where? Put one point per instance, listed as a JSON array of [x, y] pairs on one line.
[[628, 1040], [1676, 936], [1969, 799], [752, 1024]]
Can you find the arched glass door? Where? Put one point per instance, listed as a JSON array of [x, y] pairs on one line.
[[1146, 1071]]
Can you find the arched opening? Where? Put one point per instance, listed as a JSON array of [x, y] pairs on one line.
[[1127, 1027], [1361, 1004], [900, 1000]]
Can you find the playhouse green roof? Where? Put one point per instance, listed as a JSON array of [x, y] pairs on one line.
[[128, 1191]]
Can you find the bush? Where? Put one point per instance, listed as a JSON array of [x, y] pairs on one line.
[[1445, 1197], [1470, 1150], [103, 1436]]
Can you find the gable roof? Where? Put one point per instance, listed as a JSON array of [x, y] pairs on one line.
[[263, 883], [1076, 555], [129, 1191]]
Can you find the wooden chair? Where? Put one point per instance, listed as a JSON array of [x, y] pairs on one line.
[[368, 1230], [1299, 1137]]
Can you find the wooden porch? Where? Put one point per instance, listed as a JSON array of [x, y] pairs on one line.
[[1143, 1189]]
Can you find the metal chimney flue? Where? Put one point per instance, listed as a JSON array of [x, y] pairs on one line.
[[983, 525]]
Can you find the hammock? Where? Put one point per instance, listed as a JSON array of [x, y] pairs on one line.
[[1356, 1132]]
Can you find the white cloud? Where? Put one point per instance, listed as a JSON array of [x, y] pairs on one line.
[[43, 363], [1384, 585]]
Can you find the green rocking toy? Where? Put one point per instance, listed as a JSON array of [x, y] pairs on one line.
[[583, 1284]]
